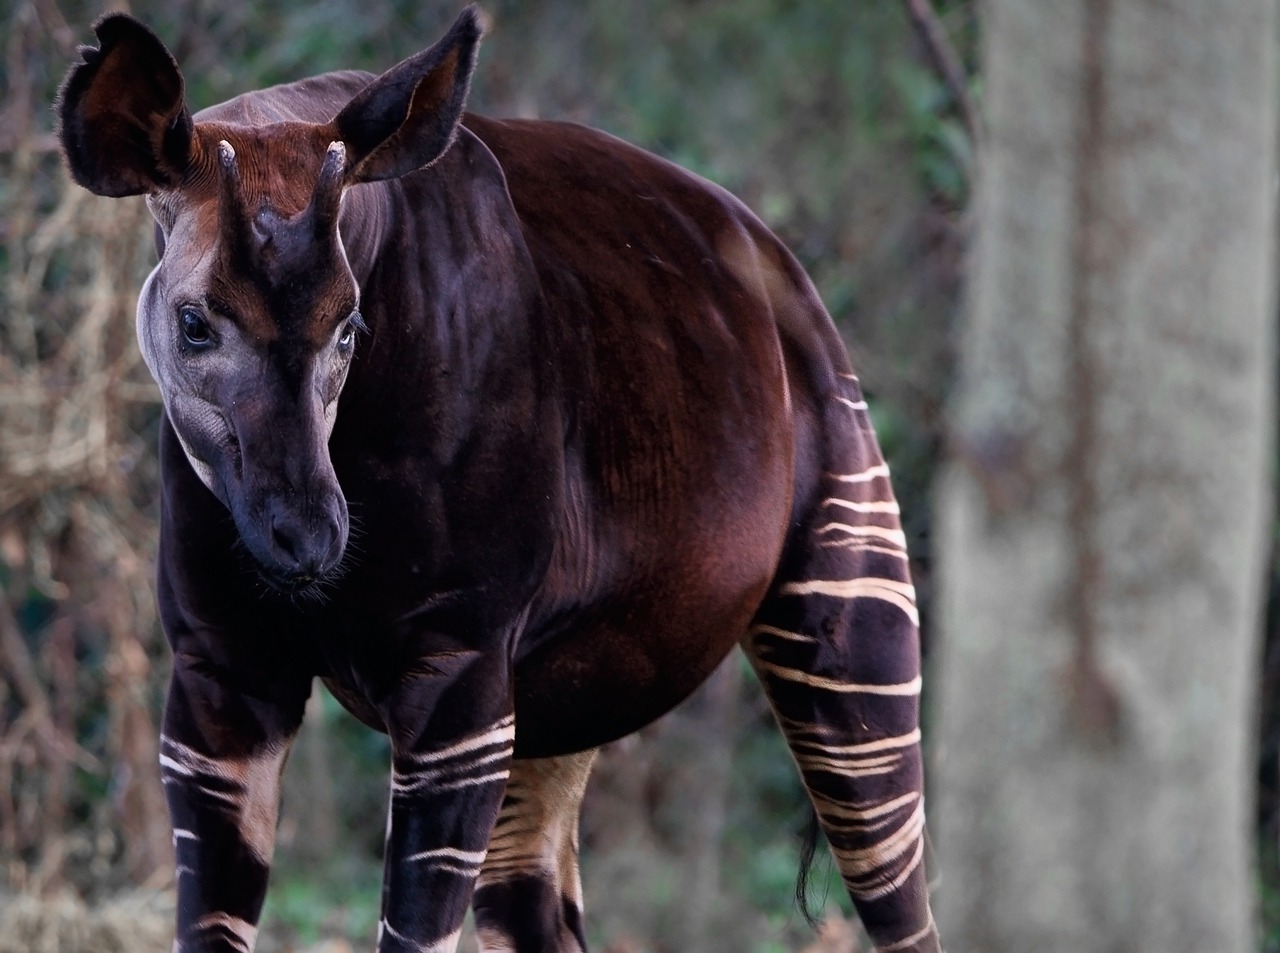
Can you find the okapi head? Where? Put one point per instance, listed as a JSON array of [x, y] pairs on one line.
[[249, 321]]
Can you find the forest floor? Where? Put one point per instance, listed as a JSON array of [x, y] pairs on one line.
[[140, 921]]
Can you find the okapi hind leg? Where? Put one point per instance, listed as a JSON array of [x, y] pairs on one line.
[[836, 645], [528, 897]]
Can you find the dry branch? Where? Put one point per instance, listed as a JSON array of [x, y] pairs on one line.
[[946, 61], [75, 548]]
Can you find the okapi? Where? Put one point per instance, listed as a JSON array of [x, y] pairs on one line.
[[507, 431]]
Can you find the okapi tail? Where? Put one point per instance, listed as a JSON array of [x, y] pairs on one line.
[[809, 842]]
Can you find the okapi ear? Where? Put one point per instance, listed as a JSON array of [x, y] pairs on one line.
[[124, 123], [407, 117]]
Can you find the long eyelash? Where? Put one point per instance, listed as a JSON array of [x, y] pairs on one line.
[[357, 322]]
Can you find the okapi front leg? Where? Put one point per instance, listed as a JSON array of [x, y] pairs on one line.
[[221, 754], [445, 794]]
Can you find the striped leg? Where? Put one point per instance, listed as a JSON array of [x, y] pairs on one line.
[[836, 645], [529, 896], [221, 754], [444, 800]]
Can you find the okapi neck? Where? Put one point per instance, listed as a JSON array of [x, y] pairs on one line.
[[365, 225]]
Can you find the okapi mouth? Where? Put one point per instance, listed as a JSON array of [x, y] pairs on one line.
[[297, 586], [301, 584]]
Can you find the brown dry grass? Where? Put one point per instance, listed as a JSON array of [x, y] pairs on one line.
[[78, 642], [135, 922]]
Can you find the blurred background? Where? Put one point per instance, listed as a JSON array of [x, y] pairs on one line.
[[847, 126]]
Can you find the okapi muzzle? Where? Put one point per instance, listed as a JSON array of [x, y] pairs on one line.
[[250, 339], [282, 492]]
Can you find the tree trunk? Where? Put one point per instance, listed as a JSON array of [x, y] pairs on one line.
[[1103, 521]]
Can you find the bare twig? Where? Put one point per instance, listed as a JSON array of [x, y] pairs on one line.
[[45, 143], [943, 56], [37, 710], [56, 24], [18, 663]]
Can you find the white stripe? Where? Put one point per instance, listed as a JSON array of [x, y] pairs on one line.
[[503, 730], [878, 506], [899, 880], [782, 633], [865, 768], [900, 741], [909, 941], [385, 927], [844, 812], [866, 476], [863, 585], [439, 770], [233, 799], [446, 944], [890, 535], [187, 761], [252, 783], [833, 685], [858, 544], [863, 863], [175, 767], [879, 761], [466, 856], [855, 404], [901, 595], [242, 930], [472, 782], [448, 779]]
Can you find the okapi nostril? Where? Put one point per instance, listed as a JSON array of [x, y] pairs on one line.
[[284, 541]]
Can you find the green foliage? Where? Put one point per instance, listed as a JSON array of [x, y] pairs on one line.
[[941, 147], [1269, 913], [339, 900]]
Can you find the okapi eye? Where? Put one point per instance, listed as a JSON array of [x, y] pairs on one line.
[[354, 323], [195, 329]]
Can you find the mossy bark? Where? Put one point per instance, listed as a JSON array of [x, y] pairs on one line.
[[1105, 516]]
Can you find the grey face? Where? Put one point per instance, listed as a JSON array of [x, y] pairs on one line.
[[249, 324]]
